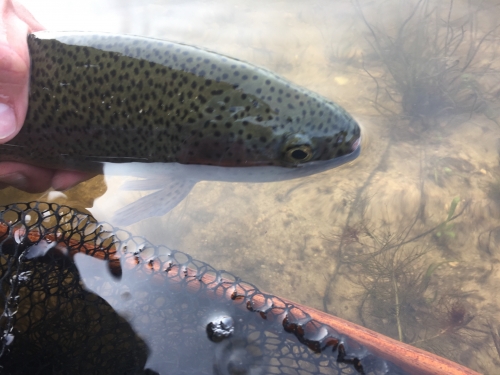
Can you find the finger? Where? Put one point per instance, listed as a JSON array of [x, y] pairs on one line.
[[16, 23], [63, 180], [14, 71], [27, 17], [25, 177]]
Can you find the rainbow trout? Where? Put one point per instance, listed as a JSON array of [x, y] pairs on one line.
[[99, 100]]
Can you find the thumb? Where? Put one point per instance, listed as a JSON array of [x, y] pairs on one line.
[[15, 24]]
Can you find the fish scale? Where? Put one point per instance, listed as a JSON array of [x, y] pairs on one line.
[[128, 98]]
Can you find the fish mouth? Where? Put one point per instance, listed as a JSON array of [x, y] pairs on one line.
[[356, 144], [349, 151], [355, 151], [322, 165]]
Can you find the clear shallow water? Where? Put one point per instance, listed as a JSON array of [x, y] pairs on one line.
[[369, 242]]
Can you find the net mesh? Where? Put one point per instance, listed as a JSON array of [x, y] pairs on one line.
[[79, 296]]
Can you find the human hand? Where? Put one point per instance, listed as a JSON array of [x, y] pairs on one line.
[[15, 24]]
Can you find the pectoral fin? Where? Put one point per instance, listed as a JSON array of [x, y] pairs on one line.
[[155, 204]]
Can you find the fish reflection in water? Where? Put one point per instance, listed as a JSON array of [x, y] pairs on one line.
[[104, 98]]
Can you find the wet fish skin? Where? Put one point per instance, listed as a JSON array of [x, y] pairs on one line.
[[111, 98]]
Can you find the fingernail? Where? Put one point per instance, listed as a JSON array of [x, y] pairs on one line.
[[7, 121], [14, 179]]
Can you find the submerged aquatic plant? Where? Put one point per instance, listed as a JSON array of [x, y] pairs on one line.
[[446, 229], [494, 190], [430, 64], [395, 287], [406, 290], [495, 335], [404, 298], [489, 241]]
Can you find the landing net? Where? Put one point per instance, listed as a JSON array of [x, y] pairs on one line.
[[83, 297]]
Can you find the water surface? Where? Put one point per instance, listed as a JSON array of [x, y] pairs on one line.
[[405, 239]]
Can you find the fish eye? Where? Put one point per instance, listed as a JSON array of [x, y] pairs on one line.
[[299, 154]]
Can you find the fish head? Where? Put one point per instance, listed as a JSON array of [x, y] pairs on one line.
[[312, 145], [271, 133]]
